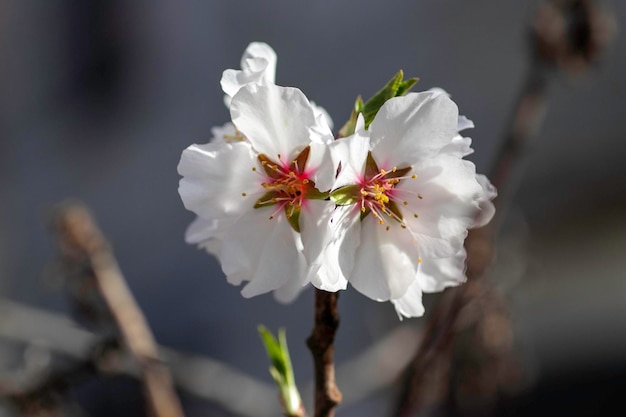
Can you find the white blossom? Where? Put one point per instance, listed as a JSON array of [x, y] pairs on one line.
[[258, 200], [406, 199]]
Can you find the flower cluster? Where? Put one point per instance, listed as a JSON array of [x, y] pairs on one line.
[[282, 203]]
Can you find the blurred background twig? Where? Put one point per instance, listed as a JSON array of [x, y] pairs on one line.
[[566, 35]]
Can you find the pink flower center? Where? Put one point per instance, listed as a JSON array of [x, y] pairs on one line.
[[287, 186], [380, 197]]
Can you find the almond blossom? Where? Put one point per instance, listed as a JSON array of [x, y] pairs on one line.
[[405, 200], [258, 200]]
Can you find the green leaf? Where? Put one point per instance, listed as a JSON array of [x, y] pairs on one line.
[[388, 91], [405, 86], [281, 369], [344, 196], [395, 87], [350, 125]]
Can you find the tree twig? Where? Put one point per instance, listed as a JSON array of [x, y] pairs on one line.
[[327, 394], [80, 237]]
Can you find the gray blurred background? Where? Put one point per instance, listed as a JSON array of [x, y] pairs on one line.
[[99, 98]]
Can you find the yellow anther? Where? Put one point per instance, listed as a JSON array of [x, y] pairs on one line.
[[419, 260], [379, 194], [305, 181], [363, 209], [381, 221], [382, 171], [413, 176], [394, 169]]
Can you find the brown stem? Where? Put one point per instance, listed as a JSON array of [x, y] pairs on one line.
[[81, 238], [327, 395]]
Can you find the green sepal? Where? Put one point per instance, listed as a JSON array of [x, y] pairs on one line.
[[293, 216], [313, 193], [267, 163], [347, 195], [371, 168], [281, 369], [399, 172], [393, 207], [265, 201], [300, 160]]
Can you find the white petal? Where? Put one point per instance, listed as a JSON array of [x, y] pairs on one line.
[[261, 50], [435, 275], [261, 251], [208, 233], [320, 166], [200, 230], [292, 289], [412, 127], [410, 304], [220, 133], [350, 153], [321, 112], [276, 120], [215, 177], [464, 123], [386, 260], [487, 209], [334, 263], [448, 189], [459, 147], [258, 64], [314, 227]]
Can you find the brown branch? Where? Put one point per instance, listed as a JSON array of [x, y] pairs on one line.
[[327, 395], [81, 238]]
